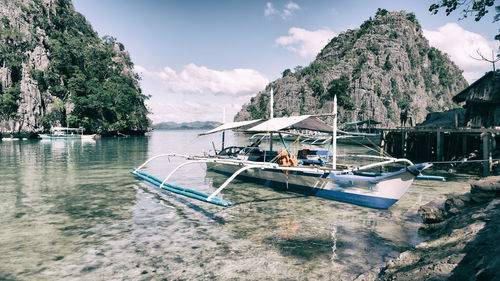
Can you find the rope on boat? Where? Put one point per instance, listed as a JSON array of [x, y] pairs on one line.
[[431, 162], [464, 161], [370, 148]]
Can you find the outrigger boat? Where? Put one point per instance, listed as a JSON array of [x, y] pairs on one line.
[[67, 133], [309, 174]]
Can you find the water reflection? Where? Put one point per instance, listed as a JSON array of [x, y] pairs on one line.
[[73, 211], [54, 192]]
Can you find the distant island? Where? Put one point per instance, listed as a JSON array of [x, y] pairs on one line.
[[197, 125]]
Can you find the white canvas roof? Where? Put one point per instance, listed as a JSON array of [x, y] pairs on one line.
[[277, 124], [306, 122], [230, 126]]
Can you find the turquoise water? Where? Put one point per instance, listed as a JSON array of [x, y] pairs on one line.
[[71, 210]]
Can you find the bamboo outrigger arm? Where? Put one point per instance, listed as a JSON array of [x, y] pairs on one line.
[[162, 155], [178, 167], [230, 179], [370, 166]]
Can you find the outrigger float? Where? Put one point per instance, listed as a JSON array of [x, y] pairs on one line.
[[313, 173]]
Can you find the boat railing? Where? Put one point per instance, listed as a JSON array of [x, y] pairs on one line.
[[379, 164], [377, 157]]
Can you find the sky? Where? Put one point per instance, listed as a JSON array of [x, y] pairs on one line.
[[202, 60]]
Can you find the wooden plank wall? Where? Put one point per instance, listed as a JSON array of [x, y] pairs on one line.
[[441, 145]]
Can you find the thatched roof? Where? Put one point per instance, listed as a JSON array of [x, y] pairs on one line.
[[444, 119], [485, 89]]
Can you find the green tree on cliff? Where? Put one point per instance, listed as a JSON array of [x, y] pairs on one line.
[[92, 74], [476, 8]]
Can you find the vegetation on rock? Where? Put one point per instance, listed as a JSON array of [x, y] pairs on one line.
[[88, 81], [476, 8], [377, 71]]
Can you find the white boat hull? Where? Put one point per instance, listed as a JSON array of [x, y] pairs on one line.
[[68, 137], [374, 192]]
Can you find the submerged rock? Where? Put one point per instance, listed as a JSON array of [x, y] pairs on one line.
[[486, 189], [456, 202], [464, 242], [432, 212]]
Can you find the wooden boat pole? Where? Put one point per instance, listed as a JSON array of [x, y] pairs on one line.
[[271, 109], [334, 136], [271, 116], [223, 137], [223, 122]]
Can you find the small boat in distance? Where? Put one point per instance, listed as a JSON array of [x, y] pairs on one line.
[[67, 133]]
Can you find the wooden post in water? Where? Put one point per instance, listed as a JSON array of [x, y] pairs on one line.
[[429, 146], [439, 145], [464, 145], [382, 147], [382, 143], [403, 143], [486, 154]]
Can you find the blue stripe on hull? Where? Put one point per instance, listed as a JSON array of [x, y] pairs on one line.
[[357, 199]]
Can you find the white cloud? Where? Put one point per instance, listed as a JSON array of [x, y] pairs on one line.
[[289, 9], [195, 79], [287, 12], [197, 93], [304, 42], [472, 76], [269, 10], [193, 110], [460, 45]]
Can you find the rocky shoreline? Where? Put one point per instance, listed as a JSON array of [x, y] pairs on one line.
[[463, 232]]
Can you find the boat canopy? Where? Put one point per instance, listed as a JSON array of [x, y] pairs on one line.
[[66, 129], [360, 123], [233, 126], [303, 122]]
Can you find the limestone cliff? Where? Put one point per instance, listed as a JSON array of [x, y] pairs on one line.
[[377, 71], [55, 70]]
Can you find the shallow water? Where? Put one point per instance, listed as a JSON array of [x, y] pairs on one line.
[[71, 210]]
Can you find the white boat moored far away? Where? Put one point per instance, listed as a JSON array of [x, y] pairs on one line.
[[314, 172], [67, 133]]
